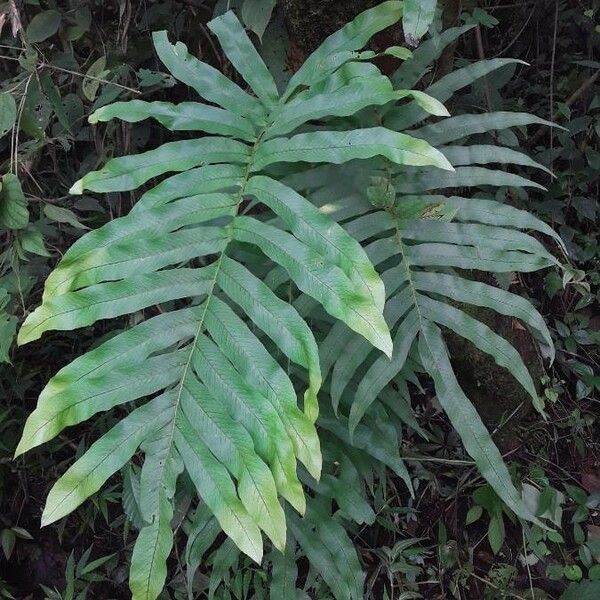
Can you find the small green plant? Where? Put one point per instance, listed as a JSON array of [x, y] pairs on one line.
[[487, 501], [79, 575]]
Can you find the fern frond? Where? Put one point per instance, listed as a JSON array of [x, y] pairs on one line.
[[224, 409], [422, 245]]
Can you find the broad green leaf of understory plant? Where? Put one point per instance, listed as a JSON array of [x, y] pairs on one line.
[[8, 113], [13, 205], [43, 25], [214, 345], [416, 19]]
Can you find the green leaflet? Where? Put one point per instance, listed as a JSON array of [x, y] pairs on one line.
[[157, 488], [223, 561], [217, 490], [261, 419], [284, 572], [256, 15], [331, 290], [348, 492], [496, 213], [202, 533], [428, 103], [104, 457], [129, 172], [206, 80], [278, 320], [488, 212], [483, 337], [330, 551], [400, 118], [341, 80], [232, 446], [470, 257], [117, 371], [414, 183], [466, 421], [446, 86], [382, 372], [186, 116], [122, 385], [481, 294], [90, 260], [462, 126], [341, 146], [142, 254], [321, 233], [410, 72], [258, 367], [149, 560], [244, 57], [348, 99], [372, 439], [496, 238], [206, 180], [130, 498], [352, 352], [481, 154], [108, 300]]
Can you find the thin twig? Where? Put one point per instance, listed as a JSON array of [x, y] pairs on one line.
[[503, 6], [582, 88], [445, 461], [86, 76], [568, 102], [14, 139], [518, 35], [552, 65], [527, 565]]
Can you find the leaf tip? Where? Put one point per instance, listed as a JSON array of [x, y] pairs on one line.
[[280, 541], [29, 332], [77, 187], [387, 346], [46, 519], [24, 336], [446, 165], [20, 449]]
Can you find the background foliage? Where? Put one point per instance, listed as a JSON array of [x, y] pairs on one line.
[[61, 61]]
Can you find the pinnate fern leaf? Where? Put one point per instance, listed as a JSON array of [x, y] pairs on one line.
[[424, 246], [209, 352]]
